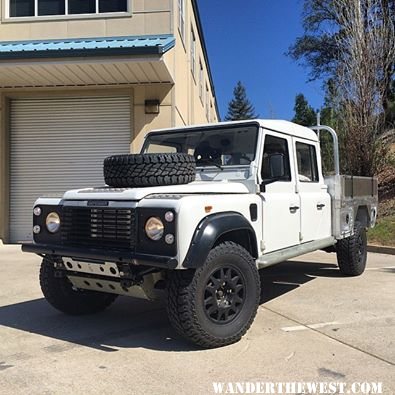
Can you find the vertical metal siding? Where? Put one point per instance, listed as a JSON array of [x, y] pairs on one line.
[[58, 144]]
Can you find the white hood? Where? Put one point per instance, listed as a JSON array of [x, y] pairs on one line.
[[197, 187]]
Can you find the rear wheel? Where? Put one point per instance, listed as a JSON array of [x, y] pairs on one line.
[[352, 252], [59, 292], [215, 305]]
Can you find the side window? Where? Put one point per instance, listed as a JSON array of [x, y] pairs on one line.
[[307, 162], [275, 165], [193, 52], [201, 80], [181, 18]]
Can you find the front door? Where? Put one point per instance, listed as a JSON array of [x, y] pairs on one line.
[[281, 204]]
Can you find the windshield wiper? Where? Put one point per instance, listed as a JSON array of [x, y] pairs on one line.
[[211, 162]]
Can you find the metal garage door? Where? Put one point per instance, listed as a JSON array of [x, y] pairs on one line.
[[59, 144]]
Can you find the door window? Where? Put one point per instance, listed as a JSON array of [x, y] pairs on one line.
[[275, 165], [307, 162]]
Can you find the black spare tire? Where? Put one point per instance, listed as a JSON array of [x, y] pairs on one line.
[[143, 170]]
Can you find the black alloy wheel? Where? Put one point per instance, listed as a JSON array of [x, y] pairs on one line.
[[224, 295]]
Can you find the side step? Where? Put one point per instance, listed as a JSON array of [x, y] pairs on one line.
[[274, 257]]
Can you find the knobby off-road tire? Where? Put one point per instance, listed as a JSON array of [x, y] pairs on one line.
[[352, 252], [200, 306], [60, 294], [143, 170]]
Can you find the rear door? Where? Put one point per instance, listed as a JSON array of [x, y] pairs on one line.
[[280, 202], [315, 220]]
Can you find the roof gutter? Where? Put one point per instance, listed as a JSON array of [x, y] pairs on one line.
[[142, 45]]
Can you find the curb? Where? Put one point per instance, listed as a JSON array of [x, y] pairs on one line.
[[381, 249]]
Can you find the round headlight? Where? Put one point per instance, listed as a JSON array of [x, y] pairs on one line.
[[53, 222], [154, 228]]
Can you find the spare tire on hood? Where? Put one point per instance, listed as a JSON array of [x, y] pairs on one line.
[[145, 170]]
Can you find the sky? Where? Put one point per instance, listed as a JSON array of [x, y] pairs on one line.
[[247, 41]]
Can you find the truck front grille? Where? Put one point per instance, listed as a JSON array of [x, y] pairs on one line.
[[99, 227]]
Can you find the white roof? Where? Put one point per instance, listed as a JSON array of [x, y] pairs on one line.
[[277, 125], [290, 128]]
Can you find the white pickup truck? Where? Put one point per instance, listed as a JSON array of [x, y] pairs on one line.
[[194, 217]]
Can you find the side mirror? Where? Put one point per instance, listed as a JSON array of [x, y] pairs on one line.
[[276, 166]]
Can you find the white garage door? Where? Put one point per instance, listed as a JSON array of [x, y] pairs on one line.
[[59, 144]]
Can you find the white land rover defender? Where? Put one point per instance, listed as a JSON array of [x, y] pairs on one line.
[[193, 218]]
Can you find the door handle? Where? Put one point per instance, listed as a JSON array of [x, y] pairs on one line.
[[293, 209], [320, 206]]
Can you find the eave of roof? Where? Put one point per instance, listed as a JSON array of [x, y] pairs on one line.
[[102, 46]]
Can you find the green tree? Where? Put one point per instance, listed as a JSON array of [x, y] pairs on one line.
[[352, 44], [240, 108], [304, 113], [326, 38], [329, 117]]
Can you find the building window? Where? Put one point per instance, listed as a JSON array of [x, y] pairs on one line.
[[211, 117], [307, 163], [113, 6], [181, 18], [48, 7], [193, 52], [82, 7], [207, 102], [201, 81], [31, 8], [22, 8]]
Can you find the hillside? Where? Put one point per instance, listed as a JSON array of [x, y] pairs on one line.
[[384, 232]]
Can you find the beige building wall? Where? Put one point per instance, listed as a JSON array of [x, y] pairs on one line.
[[180, 103], [193, 110], [144, 123], [145, 17]]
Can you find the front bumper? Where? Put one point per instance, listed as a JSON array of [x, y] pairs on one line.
[[164, 262]]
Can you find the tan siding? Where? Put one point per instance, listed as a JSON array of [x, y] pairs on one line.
[[187, 100], [135, 26], [147, 17], [146, 122]]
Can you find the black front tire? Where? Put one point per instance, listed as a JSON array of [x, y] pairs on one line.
[[352, 252], [59, 292], [215, 305]]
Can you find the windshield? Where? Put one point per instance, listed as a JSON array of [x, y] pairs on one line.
[[225, 146]]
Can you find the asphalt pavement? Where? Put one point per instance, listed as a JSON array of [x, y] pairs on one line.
[[312, 325]]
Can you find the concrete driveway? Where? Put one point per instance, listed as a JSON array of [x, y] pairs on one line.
[[312, 325]]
